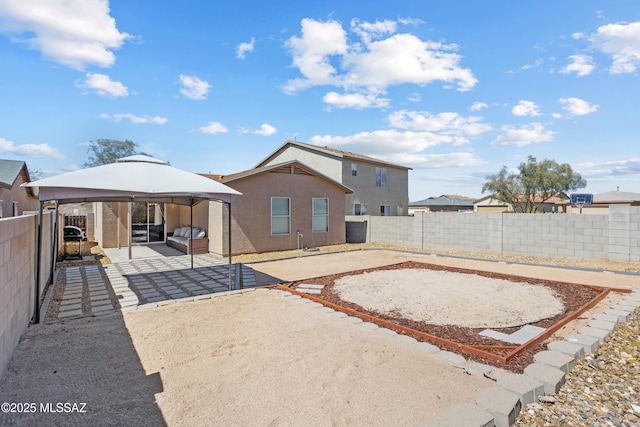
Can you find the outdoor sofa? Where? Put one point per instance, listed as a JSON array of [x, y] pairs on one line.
[[186, 239]]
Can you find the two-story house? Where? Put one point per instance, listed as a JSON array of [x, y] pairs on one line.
[[379, 187]]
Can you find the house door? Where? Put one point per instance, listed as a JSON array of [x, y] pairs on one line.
[[147, 222]]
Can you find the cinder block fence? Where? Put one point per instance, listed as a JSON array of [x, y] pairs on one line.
[[18, 244], [568, 236]]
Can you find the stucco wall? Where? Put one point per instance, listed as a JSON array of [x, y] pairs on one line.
[[328, 165], [251, 213], [395, 194], [18, 246]]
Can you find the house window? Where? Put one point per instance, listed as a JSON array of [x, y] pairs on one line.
[[354, 169], [280, 215], [320, 215], [360, 209], [15, 208], [385, 210], [381, 177]]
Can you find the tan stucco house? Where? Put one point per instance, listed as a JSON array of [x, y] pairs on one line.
[[14, 200], [283, 206], [379, 187]]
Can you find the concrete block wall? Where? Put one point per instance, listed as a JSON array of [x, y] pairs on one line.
[[615, 236], [457, 232], [556, 236], [17, 277], [394, 230]]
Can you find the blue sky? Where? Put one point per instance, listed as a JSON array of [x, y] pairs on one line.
[[454, 90]]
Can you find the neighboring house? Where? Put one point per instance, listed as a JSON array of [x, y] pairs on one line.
[[14, 200], [443, 203], [379, 187], [283, 206], [602, 201], [490, 203]]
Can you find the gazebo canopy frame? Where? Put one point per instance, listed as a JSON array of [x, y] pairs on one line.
[[134, 178]]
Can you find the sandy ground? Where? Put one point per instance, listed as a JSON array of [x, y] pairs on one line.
[[258, 358], [448, 298]]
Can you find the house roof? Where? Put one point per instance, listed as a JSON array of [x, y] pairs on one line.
[[331, 152], [616, 197], [444, 200], [292, 167], [10, 170]]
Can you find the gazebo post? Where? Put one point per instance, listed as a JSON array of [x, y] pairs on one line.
[[129, 239], [36, 304], [190, 240], [229, 237], [54, 255]]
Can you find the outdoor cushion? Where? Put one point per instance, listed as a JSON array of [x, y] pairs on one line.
[[201, 234], [177, 232]]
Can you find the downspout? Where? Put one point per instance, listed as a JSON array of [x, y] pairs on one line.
[[38, 263]]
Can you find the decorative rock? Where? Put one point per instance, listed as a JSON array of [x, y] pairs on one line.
[[429, 348], [601, 390]]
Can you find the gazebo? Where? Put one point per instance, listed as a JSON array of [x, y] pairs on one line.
[[137, 178]]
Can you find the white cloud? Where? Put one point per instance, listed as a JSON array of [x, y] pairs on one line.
[[611, 168], [72, 33], [213, 128], [135, 119], [414, 97], [477, 106], [265, 130], [447, 123], [526, 108], [577, 106], [383, 142], [29, 150], [532, 133], [355, 100], [324, 56], [103, 85], [622, 42], [243, 48], [582, 65], [193, 87], [372, 30], [437, 161]]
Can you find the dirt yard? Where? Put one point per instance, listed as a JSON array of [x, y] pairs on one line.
[[257, 358]]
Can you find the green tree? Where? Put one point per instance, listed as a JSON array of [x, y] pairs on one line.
[[534, 184], [105, 151]]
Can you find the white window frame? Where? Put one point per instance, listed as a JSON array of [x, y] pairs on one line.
[[363, 209], [385, 210], [381, 177], [354, 169], [288, 216], [314, 215]]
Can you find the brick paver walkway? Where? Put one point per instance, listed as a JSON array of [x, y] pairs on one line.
[[94, 290]]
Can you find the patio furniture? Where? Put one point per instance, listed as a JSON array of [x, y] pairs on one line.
[[189, 240]]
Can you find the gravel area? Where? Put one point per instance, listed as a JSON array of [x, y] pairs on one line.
[[602, 390]]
